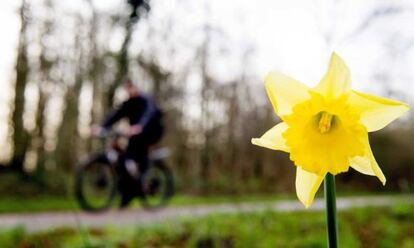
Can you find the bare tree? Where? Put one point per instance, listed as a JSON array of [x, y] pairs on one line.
[[68, 136], [20, 134]]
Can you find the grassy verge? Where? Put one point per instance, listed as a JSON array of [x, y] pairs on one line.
[[38, 204], [50, 203], [53, 203], [369, 227]]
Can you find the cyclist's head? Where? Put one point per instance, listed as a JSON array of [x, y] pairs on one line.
[[131, 88]]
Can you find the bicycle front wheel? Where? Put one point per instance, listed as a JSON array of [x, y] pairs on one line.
[[96, 184]]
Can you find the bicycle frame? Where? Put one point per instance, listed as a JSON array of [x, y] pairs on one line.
[[115, 149]]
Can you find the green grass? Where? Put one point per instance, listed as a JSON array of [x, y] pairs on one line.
[[53, 203], [38, 204], [369, 227]]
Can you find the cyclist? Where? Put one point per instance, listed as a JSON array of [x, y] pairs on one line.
[[145, 119]]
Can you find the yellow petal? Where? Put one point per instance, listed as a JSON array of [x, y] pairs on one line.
[[376, 112], [367, 164], [285, 92], [337, 80], [307, 184], [273, 139]]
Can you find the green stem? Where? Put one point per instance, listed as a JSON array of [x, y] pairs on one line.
[[332, 224]]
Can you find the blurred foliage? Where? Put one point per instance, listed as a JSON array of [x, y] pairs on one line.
[[369, 227], [13, 184]]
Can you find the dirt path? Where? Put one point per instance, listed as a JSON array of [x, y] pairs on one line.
[[44, 221]]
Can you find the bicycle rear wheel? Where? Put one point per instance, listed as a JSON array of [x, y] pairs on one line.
[[157, 185], [96, 184]]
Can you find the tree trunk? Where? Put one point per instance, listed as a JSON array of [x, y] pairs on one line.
[[68, 136], [20, 135], [40, 135], [95, 70], [66, 148]]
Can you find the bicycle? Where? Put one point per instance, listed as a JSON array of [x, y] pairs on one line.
[[98, 179]]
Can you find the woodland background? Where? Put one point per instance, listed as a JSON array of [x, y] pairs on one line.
[[69, 66]]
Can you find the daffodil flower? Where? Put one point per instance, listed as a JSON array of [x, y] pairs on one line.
[[325, 129]]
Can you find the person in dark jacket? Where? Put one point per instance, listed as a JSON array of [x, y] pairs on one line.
[[145, 129]]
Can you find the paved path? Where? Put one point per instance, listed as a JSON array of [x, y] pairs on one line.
[[44, 221]]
